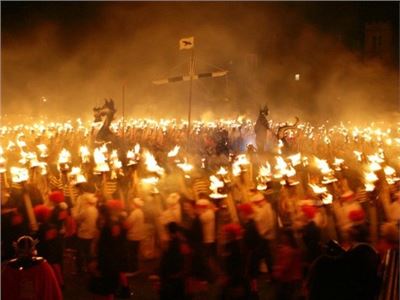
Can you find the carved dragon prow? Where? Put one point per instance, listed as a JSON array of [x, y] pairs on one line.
[[282, 129]]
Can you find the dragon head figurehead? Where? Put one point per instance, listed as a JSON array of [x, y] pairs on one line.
[[264, 110]]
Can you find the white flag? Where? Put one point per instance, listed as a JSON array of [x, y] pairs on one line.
[[186, 43]]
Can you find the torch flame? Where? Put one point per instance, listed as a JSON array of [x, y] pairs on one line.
[[390, 175], [19, 175], [280, 167], [317, 189], [64, 156], [21, 144], [295, 159], [10, 146], [389, 171], [150, 180], [327, 198], [75, 171], [240, 160], [375, 158], [43, 150], [152, 164], [174, 151], [358, 154], [137, 148], [265, 170], [222, 171], [185, 166], [215, 184], [116, 163], [370, 178], [85, 154], [100, 160], [2, 161], [322, 165]]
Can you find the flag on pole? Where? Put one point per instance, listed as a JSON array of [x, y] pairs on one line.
[[186, 43]]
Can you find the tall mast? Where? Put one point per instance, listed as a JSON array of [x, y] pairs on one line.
[[191, 73]]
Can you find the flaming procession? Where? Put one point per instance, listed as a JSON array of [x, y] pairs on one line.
[[340, 171], [268, 207]]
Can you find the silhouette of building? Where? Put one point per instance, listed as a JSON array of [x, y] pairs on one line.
[[379, 42]]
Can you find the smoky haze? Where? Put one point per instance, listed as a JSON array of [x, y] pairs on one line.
[[76, 55]]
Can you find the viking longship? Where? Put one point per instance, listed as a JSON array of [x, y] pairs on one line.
[[106, 112], [263, 130]]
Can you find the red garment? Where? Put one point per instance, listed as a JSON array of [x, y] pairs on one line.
[[288, 264], [35, 283], [70, 226]]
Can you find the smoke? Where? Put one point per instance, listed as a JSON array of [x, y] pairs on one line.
[[76, 62]]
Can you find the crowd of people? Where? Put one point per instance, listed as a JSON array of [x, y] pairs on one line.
[[316, 225]]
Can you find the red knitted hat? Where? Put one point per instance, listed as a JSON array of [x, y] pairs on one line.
[[357, 215], [56, 197], [233, 228], [42, 212], [246, 209], [309, 211], [115, 204]]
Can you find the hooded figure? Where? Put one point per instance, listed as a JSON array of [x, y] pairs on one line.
[[28, 276], [265, 220], [85, 214], [134, 225], [171, 214]]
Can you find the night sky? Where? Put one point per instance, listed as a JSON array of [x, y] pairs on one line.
[[69, 50]]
